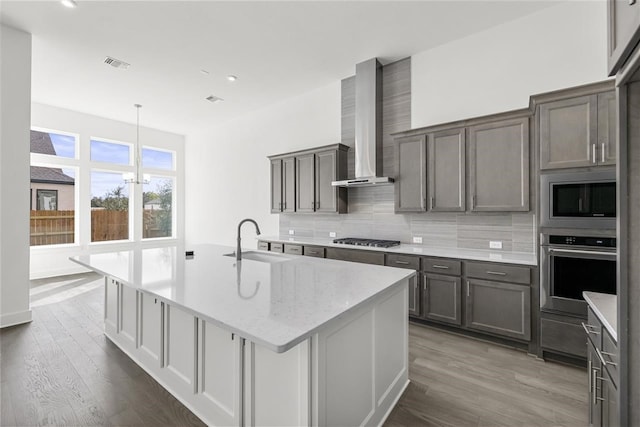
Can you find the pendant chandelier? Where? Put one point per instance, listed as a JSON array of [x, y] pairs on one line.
[[137, 177]]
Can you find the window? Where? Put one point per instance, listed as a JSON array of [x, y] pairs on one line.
[[52, 188], [157, 208], [47, 200], [109, 207], [157, 159], [110, 152]]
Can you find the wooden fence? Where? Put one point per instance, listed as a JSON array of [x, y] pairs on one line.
[[57, 227]]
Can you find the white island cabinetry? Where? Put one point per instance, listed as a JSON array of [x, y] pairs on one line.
[[299, 342]]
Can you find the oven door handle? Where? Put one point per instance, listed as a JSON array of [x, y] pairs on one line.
[[575, 251]]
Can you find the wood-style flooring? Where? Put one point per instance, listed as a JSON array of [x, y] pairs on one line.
[[61, 370]]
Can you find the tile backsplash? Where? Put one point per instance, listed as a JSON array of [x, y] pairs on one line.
[[371, 215]]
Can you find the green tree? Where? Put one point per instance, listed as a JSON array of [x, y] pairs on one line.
[[164, 192], [115, 200]]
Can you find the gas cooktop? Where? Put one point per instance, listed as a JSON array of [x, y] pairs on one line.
[[367, 242]]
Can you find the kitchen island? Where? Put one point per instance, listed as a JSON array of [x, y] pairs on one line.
[[269, 340]]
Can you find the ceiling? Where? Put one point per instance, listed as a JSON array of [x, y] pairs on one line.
[[277, 49]]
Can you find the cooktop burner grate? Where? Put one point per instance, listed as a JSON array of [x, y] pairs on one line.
[[378, 243]]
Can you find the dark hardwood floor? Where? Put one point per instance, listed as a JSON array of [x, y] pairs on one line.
[[61, 370]]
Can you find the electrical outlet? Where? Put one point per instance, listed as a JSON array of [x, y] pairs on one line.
[[332, 234], [292, 232], [495, 244], [417, 240]]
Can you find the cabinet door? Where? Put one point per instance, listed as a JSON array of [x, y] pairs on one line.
[[414, 296], [128, 331], [568, 133], [111, 293], [499, 308], [609, 403], [447, 151], [276, 186], [411, 174], [594, 370], [180, 341], [288, 185], [441, 298], [623, 31], [607, 128], [499, 166], [326, 172], [151, 329], [305, 186]]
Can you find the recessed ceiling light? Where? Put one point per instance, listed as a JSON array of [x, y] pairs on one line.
[[232, 78], [116, 63], [69, 3], [213, 99]]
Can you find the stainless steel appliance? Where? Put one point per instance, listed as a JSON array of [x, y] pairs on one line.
[[367, 242], [570, 265], [578, 200]]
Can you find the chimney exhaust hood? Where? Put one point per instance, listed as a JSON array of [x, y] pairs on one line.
[[368, 144]]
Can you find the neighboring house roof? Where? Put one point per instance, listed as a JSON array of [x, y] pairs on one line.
[[50, 175], [41, 143]]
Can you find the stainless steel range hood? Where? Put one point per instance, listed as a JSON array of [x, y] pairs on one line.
[[368, 144]]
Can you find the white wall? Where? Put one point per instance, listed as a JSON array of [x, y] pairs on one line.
[[227, 172], [15, 101], [498, 69], [47, 261]]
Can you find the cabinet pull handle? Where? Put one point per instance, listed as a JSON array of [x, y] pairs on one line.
[[402, 262], [604, 362], [588, 330], [496, 273], [580, 205], [443, 267], [473, 202], [593, 154], [468, 287], [432, 203], [603, 152], [594, 395]]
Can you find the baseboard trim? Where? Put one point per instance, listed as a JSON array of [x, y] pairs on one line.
[[13, 319]]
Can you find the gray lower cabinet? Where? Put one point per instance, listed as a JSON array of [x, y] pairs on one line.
[[578, 131], [447, 164], [623, 31], [314, 251], [355, 255], [411, 174], [594, 370], [305, 183], [441, 298], [498, 162], [499, 308], [412, 263]]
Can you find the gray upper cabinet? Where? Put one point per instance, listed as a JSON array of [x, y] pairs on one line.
[[305, 185], [578, 131], [276, 185], [411, 174], [623, 31], [607, 119], [499, 165], [446, 157], [331, 165], [288, 185], [301, 181]]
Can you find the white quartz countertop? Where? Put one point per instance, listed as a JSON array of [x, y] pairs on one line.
[[605, 306], [521, 258], [276, 305]]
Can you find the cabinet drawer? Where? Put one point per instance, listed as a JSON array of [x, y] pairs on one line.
[[276, 247], [442, 266], [355, 255], [565, 337], [610, 356], [314, 251], [292, 249], [499, 272], [263, 246], [593, 328], [403, 261]]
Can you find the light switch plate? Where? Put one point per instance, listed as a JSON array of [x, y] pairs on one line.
[[417, 240], [332, 234], [292, 232], [495, 244]]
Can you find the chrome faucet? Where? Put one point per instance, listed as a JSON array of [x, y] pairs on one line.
[[238, 250]]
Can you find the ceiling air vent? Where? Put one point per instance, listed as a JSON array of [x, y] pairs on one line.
[[213, 99], [116, 63]]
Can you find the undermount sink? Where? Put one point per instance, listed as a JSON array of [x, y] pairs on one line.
[[261, 257]]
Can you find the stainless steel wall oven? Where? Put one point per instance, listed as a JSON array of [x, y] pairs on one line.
[[571, 265], [578, 200]]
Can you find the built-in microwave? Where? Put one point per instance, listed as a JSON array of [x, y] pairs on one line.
[[578, 200]]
